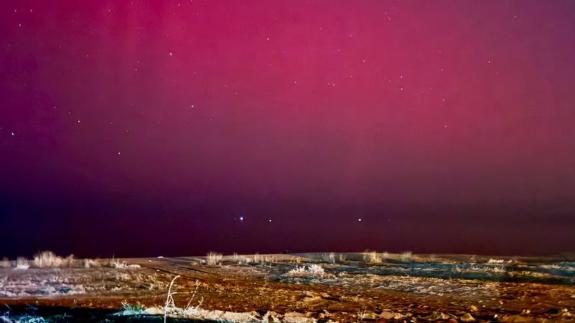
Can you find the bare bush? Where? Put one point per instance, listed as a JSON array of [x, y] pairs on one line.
[[314, 270], [371, 257], [47, 259], [92, 263], [22, 263], [214, 259], [406, 256], [5, 263], [116, 263], [328, 257]]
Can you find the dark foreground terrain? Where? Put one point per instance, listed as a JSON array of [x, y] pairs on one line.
[[320, 287]]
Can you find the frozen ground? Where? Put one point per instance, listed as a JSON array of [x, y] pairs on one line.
[[294, 288]]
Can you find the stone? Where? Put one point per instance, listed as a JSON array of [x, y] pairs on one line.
[[467, 318]]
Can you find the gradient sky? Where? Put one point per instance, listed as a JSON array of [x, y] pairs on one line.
[[177, 127]]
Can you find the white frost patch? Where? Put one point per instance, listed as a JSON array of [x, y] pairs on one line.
[[123, 265], [22, 264], [22, 319], [16, 288], [437, 286], [196, 313], [307, 271], [22, 267]]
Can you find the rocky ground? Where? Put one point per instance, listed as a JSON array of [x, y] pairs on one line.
[[300, 288]]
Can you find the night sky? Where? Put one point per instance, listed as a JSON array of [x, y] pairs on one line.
[[136, 128]]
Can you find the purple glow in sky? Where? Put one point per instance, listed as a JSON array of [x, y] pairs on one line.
[[178, 127]]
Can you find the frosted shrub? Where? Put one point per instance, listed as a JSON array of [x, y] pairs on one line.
[[22, 263], [307, 271], [371, 257], [115, 263], [406, 256], [214, 259], [5, 263], [91, 263], [47, 259], [328, 257]]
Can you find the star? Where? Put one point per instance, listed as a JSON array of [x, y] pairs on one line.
[[241, 218], [359, 219], [12, 134]]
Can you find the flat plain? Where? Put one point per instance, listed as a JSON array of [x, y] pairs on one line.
[[314, 287]]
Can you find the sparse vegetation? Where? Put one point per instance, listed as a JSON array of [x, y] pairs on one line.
[[133, 309], [47, 259], [22, 263], [371, 257], [313, 270], [328, 257], [115, 263], [406, 256], [91, 263], [214, 259], [5, 263], [263, 259], [111, 280]]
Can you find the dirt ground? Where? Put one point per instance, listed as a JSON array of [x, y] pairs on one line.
[[348, 288]]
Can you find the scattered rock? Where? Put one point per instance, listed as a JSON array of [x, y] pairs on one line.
[[295, 317], [438, 316], [325, 316], [467, 318], [271, 317], [391, 315], [369, 316], [473, 308], [515, 318]]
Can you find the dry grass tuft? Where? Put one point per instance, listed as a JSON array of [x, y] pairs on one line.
[[214, 259], [406, 256], [47, 259], [116, 263], [314, 270], [328, 257], [371, 257], [22, 263], [5, 263]]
